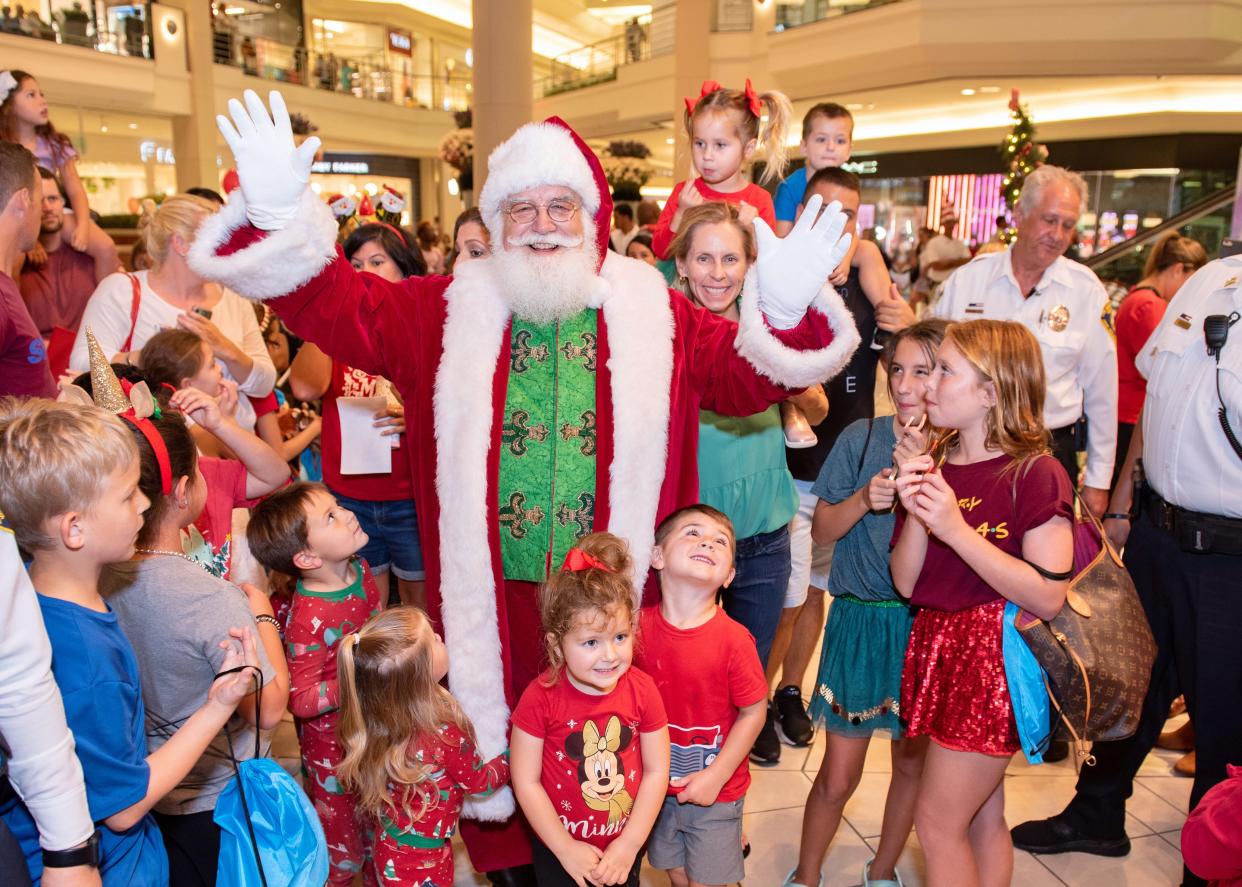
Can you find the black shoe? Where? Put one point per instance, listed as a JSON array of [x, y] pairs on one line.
[[767, 748], [517, 876], [792, 725], [1058, 750], [1060, 835]]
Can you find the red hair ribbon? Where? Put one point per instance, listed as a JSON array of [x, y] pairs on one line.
[[709, 86], [157, 446], [756, 107], [577, 560], [394, 230]]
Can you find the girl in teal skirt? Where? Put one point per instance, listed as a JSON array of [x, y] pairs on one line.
[[858, 689]]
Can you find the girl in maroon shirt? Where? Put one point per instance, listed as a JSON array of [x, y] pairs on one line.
[[987, 518]]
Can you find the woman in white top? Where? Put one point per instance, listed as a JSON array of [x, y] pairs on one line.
[[171, 295]]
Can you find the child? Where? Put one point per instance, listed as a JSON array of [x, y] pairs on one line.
[[864, 647], [23, 119], [173, 610], [709, 675], [590, 737], [69, 488], [302, 532], [723, 125], [994, 523], [410, 753], [827, 140], [863, 268]]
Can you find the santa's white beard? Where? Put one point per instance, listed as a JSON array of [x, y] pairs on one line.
[[543, 287]]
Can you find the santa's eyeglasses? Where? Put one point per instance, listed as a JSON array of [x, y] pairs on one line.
[[558, 211]]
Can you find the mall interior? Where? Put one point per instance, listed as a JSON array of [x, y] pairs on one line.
[[1142, 97]]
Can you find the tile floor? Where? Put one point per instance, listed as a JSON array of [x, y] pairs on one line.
[[774, 815]]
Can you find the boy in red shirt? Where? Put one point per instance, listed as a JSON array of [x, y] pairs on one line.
[[302, 531], [708, 671]]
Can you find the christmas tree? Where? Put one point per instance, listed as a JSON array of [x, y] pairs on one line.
[[1021, 155]]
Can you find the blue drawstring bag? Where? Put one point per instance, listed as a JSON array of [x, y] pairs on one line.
[[1028, 691], [270, 833]]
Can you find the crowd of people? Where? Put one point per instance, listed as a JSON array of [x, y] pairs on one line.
[[537, 549]]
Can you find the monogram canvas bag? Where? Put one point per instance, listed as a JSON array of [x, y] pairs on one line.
[[1098, 652]]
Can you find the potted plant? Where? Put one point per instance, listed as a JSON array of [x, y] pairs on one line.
[[457, 149], [627, 168]]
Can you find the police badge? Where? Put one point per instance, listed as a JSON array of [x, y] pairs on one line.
[[1059, 318]]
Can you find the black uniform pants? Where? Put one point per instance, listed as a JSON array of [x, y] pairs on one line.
[[1194, 605]]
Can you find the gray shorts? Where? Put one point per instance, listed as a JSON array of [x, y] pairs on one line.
[[705, 841]]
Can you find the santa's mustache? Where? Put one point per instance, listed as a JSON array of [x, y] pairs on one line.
[[553, 238]]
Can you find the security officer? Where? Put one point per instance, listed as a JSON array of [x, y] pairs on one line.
[[1063, 303], [1184, 551]]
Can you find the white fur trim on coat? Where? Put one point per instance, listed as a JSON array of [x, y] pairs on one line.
[[789, 366], [462, 405], [537, 154], [278, 263]]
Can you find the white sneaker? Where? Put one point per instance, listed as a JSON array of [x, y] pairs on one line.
[[868, 882], [790, 882]]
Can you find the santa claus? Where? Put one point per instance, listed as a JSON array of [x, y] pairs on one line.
[[551, 389]]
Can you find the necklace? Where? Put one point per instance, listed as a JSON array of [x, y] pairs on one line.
[[179, 554]]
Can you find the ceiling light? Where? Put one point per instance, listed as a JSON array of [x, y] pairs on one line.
[[133, 126], [103, 127], [669, 141], [854, 106], [989, 89], [968, 91]]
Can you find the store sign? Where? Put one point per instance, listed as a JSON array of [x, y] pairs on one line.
[[344, 167], [148, 151], [400, 42], [861, 167]]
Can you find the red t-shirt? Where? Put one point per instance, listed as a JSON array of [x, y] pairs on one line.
[[592, 760], [57, 291], [1001, 506], [1137, 318], [209, 540], [662, 237], [704, 674], [349, 382], [23, 358]]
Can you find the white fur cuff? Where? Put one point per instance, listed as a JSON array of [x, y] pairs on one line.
[[273, 266], [787, 366], [494, 808]]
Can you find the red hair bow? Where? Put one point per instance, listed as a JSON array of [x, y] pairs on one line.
[[752, 98], [709, 86], [577, 560]]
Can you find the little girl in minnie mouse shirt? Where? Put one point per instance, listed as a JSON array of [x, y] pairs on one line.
[[589, 751]]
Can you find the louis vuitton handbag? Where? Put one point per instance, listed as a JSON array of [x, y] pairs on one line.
[[1098, 652]]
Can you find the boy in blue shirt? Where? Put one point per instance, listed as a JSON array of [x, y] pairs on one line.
[[827, 140], [69, 491]]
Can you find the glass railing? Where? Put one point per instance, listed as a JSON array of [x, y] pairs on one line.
[[117, 34], [595, 63], [1206, 221], [796, 13], [371, 79]]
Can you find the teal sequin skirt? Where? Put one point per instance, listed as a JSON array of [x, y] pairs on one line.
[[858, 690]]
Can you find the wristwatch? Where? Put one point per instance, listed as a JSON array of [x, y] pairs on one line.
[[86, 854]]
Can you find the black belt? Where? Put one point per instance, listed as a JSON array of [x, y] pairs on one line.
[[1193, 530]]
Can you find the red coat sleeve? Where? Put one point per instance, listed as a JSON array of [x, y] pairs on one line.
[[662, 234]]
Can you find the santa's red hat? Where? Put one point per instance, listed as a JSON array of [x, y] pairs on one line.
[[547, 153]]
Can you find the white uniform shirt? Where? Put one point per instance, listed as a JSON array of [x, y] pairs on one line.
[[1186, 457], [1080, 354]]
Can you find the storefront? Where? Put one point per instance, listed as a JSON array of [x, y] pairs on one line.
[[1133, 184], [359, 175]]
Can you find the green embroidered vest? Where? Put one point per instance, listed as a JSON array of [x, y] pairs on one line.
[[547, 456]]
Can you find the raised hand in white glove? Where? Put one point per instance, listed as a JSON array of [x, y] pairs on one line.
[[273, 171], [792, 269]]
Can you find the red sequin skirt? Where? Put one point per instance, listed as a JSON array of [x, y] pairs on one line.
[[953, 686]]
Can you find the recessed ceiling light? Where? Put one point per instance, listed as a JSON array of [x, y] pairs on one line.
[[133, 126], [103, 127], [968, 91], [989, 89], [669, 141]]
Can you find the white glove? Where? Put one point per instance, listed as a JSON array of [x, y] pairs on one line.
[[793, 269], [273, 173]]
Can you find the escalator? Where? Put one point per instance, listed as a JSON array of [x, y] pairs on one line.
[[1207, 220]]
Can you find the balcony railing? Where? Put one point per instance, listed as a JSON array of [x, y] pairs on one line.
[[371, 79], [595, 63], [75, 27], [795, 13]]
